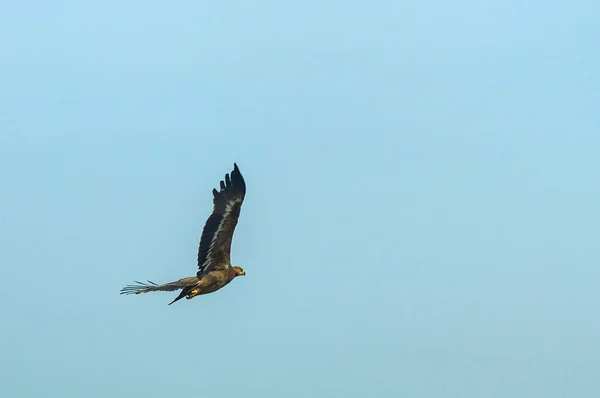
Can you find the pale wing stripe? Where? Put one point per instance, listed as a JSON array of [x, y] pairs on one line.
[[228, 209]]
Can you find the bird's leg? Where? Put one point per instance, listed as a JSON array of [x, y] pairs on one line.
[[193, 293]]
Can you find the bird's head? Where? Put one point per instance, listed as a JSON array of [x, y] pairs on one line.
[[239, 271]]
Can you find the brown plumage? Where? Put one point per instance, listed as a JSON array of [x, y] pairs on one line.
[[214, 264]]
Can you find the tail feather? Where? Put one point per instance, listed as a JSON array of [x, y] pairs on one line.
[[183, 293]]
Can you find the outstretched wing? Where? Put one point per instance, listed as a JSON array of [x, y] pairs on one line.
[[141, 287], [215, 243]]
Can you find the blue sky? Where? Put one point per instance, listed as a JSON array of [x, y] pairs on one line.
[[421, 217]]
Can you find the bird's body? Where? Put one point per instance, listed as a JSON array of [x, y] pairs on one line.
[[214, 265], [214, 280]]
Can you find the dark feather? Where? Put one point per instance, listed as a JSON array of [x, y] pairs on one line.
[[215, 242], [181, 295]]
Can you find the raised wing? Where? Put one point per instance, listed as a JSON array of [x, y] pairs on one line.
[[215, 243]]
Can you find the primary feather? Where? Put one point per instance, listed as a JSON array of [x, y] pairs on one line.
[[141, 287]]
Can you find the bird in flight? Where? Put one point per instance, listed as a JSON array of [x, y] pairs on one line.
[[214, 265]]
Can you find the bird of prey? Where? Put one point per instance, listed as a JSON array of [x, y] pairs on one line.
[[214, 265]]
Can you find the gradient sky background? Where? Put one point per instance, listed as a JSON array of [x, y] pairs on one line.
[[422, 212]]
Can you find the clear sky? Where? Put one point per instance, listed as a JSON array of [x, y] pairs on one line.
[[422, 214]]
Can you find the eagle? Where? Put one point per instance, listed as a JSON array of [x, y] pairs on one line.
[[214, 264]]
